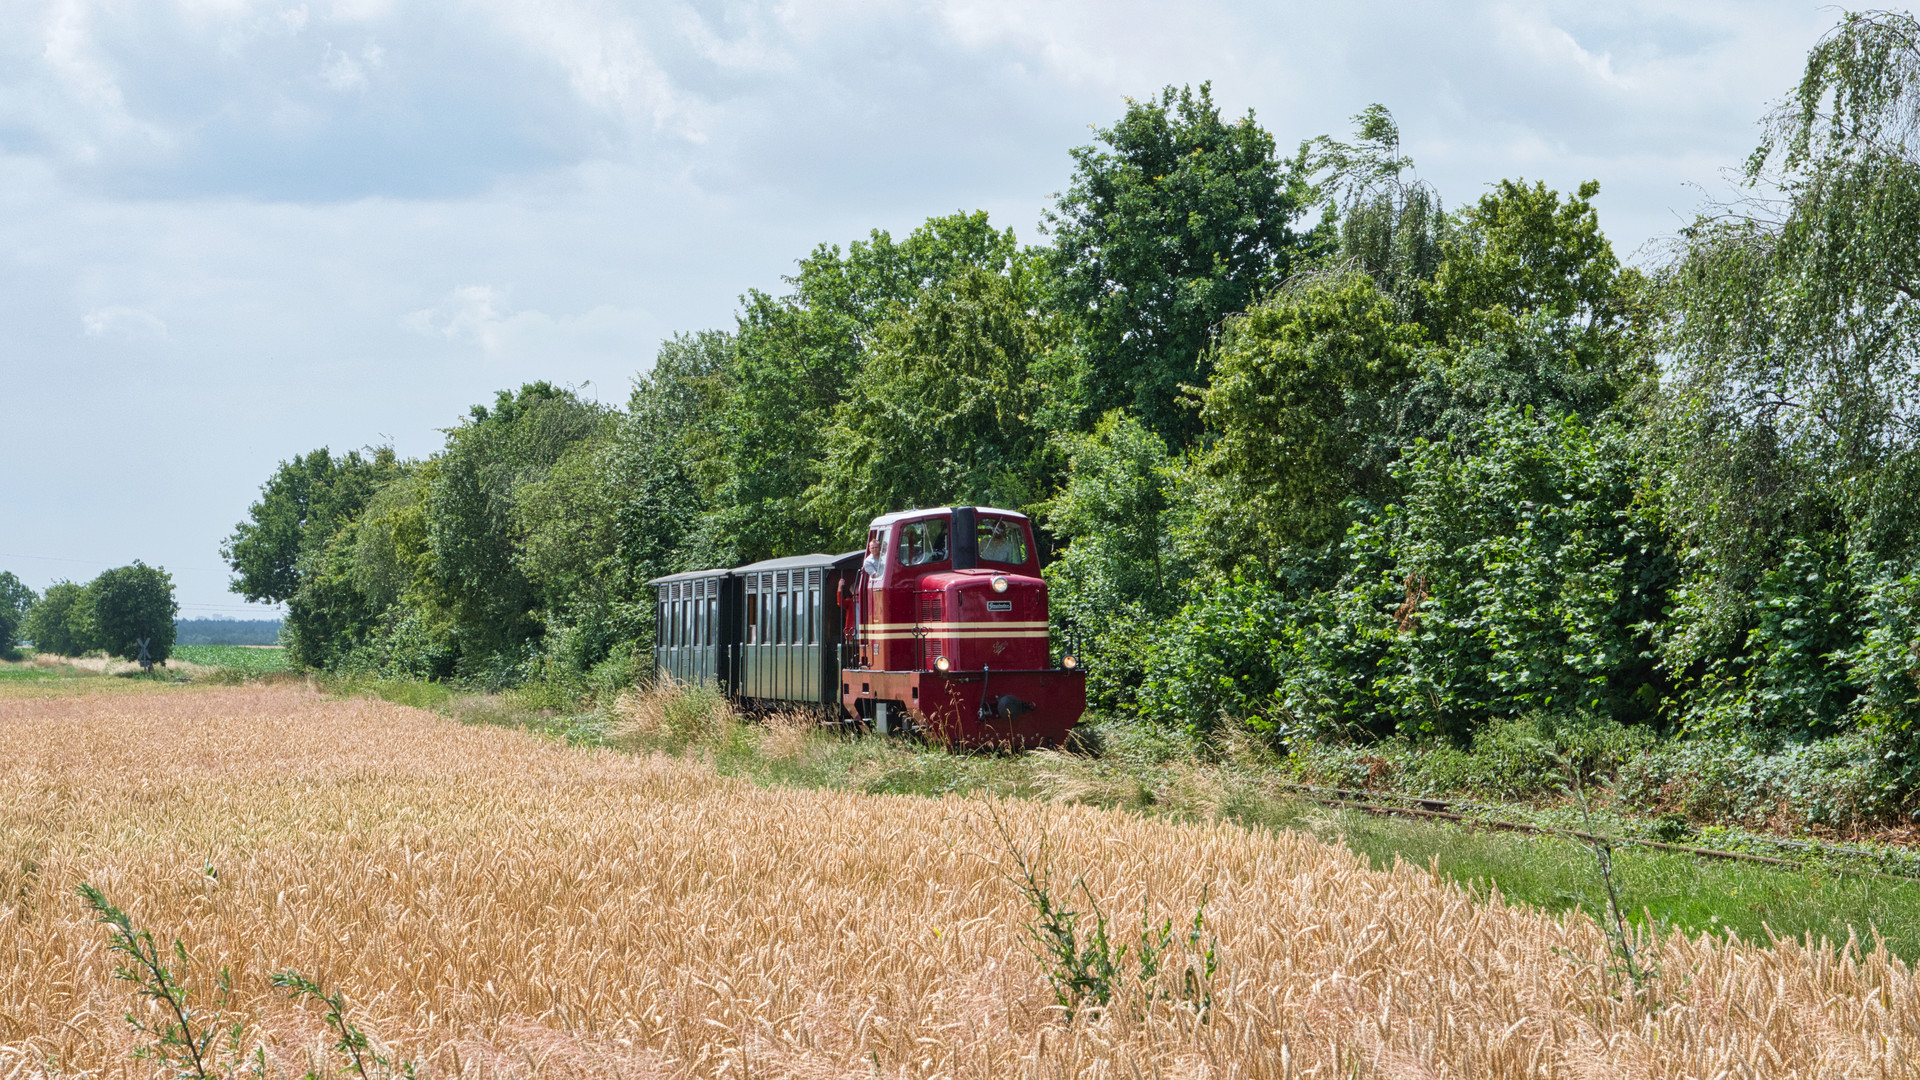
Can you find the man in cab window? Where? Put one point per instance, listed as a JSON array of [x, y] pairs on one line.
[[1001, 542]]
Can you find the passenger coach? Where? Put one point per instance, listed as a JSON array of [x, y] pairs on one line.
[[938, 628]]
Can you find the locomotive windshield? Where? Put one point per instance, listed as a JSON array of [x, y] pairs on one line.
[[923, 542], [1002, 540]]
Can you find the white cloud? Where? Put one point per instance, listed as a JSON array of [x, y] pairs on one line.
[[469, 313], [342, 72], [479, 315], [123, 323], [1534, 35]]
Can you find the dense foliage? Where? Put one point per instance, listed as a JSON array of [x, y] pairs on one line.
[[133, 607], [113, 614], [1308, 450], [16, 599]]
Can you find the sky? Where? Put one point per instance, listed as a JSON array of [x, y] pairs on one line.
[[232, 231]]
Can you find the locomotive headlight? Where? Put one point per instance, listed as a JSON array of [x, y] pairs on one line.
[[940, 663], [999, 583], [1069, 663]]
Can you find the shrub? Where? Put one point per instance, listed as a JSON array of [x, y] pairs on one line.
[[1513, 758], [1842, 783], [1221, 658]]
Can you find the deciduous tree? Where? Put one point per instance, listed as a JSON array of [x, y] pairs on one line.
[[1184, 218], [132, 603], [16, 599], [62, 621]]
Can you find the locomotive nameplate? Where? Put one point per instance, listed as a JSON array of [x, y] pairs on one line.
[[999, 605]]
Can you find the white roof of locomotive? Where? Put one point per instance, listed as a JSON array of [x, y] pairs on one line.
[[885, 520]]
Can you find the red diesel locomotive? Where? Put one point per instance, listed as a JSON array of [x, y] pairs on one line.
[[938, 628]]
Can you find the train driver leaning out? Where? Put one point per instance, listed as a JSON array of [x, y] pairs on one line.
[[876, 554]]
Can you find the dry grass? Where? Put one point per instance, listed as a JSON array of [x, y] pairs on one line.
[[495, 905], [43, 675]]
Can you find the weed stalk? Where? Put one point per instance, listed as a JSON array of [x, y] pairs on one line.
[[1602, 847], [182, 1039], [353, 1043]]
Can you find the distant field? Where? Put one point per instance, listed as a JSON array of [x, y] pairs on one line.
[[494, 904], [252, 659]]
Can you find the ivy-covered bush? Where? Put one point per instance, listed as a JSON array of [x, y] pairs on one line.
[[1518, 757], [1837, 783]]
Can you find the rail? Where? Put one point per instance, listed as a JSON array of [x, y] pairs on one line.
[[1425, 807]]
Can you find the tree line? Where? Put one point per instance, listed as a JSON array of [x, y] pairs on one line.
[[114, 613], [1308, 448]]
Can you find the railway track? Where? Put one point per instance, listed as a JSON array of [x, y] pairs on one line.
[[1387, 804]]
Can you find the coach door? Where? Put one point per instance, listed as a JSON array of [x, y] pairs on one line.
[[686, 631], [752, 637]]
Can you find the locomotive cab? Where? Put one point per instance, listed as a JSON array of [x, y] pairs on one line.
[[946, 632]]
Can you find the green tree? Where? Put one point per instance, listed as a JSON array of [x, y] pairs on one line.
[[1391, 227], [1521, 251], [472, 528], [1298, 406], [300, 506], [1321, 387], [655, 465], [794, 358], [16, 599], [62, 621], [1120, 577], [944, 411], [1512, 575], [1789, 435], [1182, 220], [131, 603]]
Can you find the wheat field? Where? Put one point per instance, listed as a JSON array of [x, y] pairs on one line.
[[494, 905]]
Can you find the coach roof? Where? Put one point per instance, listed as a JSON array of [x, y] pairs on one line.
[[791, 562]]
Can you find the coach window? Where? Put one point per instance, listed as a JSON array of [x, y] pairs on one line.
[[753, 620], [767, 629], [782, 631], [813, 616], [713, 615]]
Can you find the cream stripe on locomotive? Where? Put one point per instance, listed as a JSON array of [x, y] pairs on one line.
[[946, 627], [904, 635]]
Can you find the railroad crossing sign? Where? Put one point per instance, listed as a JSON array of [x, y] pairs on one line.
[[145, 657]]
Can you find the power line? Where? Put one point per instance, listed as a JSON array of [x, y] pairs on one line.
[[96, 562]]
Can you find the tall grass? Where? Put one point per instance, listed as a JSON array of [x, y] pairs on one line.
[[499, 905]]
